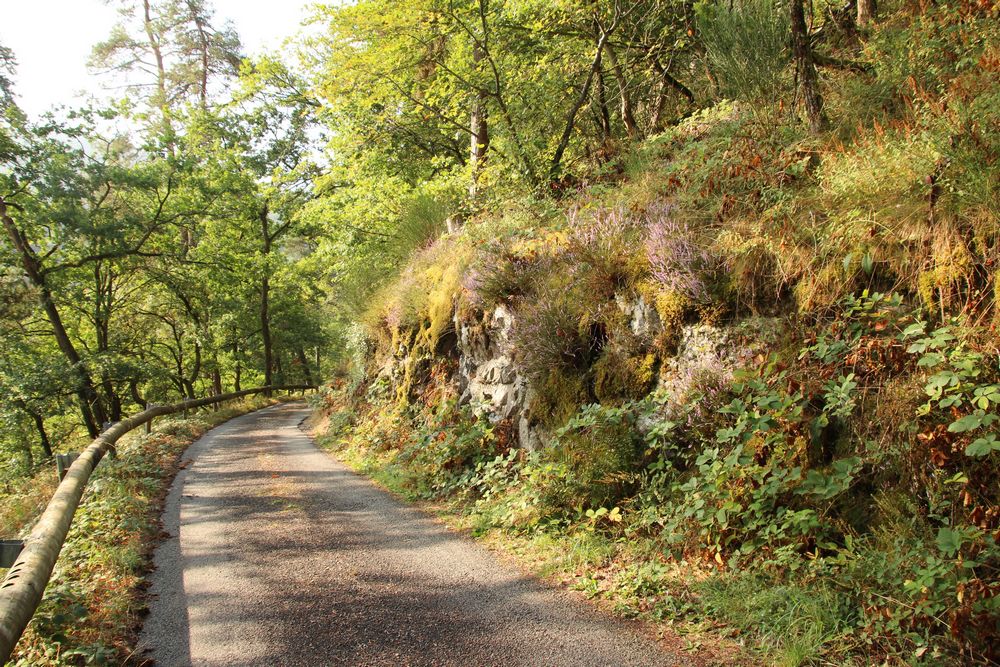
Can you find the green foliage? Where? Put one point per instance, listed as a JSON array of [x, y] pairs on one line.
[[598, 450], [439, 459], [811, 537], [747, 45], [142, 271], [213, 247], [558, 395]]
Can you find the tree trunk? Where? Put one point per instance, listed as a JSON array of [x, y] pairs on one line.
[[104, 288], [628, 115], [805, 67], [866, 12], [133, 390], [204, 47], [90, 404], [265, 308], [667, 83], [306, 373], [192, 377], [43, 437], [604, 116], [479, 141], [556, 164], [216, 381], [163, 100], [238, 368]]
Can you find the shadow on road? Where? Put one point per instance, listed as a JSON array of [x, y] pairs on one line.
[[285, 557]]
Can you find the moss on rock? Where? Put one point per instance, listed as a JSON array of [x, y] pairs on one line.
[[557, 398], [621, 378]]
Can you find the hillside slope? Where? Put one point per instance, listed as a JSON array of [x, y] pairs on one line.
[[746, 372]]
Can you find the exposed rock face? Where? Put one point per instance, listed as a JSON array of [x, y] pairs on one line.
[[392, 370], [704, 352], [490, 381], [704, 348], [487, 373], [643, 319]]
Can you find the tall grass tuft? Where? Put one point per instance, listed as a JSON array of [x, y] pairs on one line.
[[421, 221], [747, 48]]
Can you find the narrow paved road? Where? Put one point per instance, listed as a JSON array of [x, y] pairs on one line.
[[280, 555]]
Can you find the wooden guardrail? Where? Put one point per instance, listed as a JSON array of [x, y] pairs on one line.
[[22, 588]]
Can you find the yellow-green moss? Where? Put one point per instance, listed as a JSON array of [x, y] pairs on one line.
[[618, 378], [417, 309], [438, 306], [671, 307], [558, 398]]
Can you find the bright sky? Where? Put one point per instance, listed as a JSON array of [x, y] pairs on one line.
[[52, 40]]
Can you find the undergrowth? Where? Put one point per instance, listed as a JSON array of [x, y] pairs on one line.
[[834, 501], [821, 515]]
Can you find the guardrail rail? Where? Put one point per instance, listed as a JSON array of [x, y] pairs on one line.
[[22, 589]]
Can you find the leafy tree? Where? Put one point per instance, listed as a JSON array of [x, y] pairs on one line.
[[91, 213], [171, 48]]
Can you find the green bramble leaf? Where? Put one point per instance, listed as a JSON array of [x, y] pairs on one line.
[[949, 541], [983, 446], [914, 329], [973, 421]]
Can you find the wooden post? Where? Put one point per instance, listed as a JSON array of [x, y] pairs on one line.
[[149, 422], [64, 461], [112, 450]]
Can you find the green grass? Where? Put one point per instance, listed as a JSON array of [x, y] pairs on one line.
[[792, 623]]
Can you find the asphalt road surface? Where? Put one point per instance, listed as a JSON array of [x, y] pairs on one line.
[[280, 555]]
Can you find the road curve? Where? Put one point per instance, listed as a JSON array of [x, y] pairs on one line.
[[280, 555]]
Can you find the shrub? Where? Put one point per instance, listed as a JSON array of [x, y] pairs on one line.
[[441, 455], [601, 249], [600, 451], [549, 334], [678, 261]]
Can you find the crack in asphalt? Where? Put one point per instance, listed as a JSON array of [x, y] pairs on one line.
[[280, 555]]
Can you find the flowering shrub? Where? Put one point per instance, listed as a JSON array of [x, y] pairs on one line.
[[677, 260], [601, 247], [547, 336]]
